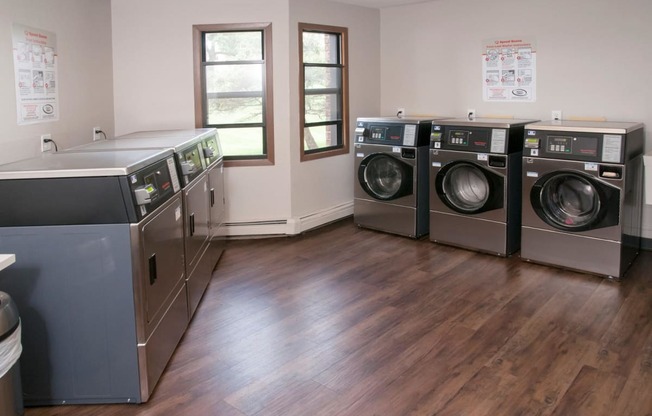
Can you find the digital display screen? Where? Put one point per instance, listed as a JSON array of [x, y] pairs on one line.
[[150, 180], [150, 183], [458, 137]]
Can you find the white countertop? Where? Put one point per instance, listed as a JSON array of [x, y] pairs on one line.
[[7, 260]]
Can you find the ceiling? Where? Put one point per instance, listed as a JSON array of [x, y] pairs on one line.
[[379, 4]]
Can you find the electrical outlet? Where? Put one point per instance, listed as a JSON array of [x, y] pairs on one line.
[[400, 112], [556, 115], [46, 142], [470, 113], [97, 133]]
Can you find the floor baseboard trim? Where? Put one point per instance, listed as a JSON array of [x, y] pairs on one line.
[[291, 226]]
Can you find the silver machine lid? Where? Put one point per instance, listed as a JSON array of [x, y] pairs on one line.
[[500, 123], [176, 140], [82, 164], [394, 119], [606, 127]]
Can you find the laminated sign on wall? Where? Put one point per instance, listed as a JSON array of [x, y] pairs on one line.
[[509, 70], [35, 66]]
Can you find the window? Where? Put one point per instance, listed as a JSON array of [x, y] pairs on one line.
[[233, 89], [324, 91]]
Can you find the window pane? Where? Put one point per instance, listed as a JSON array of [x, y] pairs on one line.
[[322, 77], [223, 78], [320, 48], [322, 107], [246, 141], [225, 110], [320, 136], [233, 46]]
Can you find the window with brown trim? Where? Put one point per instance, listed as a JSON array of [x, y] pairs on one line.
[[233, 89], [324, 90]]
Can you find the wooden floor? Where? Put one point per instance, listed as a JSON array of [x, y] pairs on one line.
[[346, 321]]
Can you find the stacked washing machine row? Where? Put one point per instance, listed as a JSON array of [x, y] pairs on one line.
[[100, 234], [200, 166], [572, 198]]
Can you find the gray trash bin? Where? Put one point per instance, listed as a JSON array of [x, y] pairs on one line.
[[11, 393]]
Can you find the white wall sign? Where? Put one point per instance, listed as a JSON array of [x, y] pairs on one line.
[[509, 70], [35, 66]]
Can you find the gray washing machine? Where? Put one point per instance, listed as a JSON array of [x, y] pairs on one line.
[[391, 175], [99, 277], [475, 183], [582, 195]]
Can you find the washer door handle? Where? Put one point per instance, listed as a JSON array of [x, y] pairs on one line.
[[192, 224], [152, 269]]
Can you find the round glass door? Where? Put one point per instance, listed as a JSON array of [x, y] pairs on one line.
[[385, 177], [569, 201], [466, 188]]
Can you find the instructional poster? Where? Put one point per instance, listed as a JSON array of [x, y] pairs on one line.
[[509, 70], [35, 66]]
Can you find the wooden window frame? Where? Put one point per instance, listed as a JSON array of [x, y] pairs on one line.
[[268, 97], [342, 32]]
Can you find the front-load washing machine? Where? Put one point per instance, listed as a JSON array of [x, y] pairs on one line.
[[582, 195], [391, 175], [475, 183]]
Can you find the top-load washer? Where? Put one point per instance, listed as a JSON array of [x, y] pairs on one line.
[[99, 277], [391, 175], [582, 195], [200, 167], [475, 183]]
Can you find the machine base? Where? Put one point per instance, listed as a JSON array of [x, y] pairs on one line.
[[470, 233], [584, 254], [384, 216]]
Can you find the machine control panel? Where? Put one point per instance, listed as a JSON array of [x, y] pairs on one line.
[[411, 133], [211, 149], [153, 185], [472, 139], [191, 163], [592, 147]]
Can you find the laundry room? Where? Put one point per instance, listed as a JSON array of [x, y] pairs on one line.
[[308, 279]]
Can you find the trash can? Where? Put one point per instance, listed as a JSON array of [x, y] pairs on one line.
[[11, 393]]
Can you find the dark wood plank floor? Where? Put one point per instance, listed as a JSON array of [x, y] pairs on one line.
[[346, 321]]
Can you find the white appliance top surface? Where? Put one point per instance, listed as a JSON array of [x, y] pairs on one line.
[[82, 164], [182, 135], [616, 127], [406, 119], [165, 139], [7, 260], [503, 123]]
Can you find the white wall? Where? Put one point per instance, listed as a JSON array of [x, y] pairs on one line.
[[326, 185], [153, 77], [83, 31], [593, 58]]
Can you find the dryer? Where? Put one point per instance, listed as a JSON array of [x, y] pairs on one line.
[[200, 167], [391, 175], [475, 183], [99, 277], [582, 195]]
